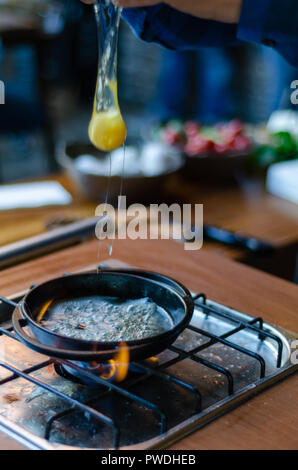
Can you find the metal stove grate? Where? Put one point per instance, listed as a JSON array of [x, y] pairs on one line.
[[235, 324]]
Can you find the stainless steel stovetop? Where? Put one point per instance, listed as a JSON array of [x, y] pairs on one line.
[[223, 358]]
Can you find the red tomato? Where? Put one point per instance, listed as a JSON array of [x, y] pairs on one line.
[[241, 143], [191, 128], [222, 149], [171, 136], [230, 130], [199, 146]]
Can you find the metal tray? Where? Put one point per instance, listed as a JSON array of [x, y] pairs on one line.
[[25, 407]]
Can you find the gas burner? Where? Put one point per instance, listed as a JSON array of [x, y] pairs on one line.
[[69, 374], [85, 373], [92, 375], [221, 359]]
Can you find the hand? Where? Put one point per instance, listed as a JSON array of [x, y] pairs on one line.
[[227, 11]]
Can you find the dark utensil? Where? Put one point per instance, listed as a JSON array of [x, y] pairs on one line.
[[236, 239], [165, 292], [44, 243]]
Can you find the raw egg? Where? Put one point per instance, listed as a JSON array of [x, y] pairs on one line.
[[107, 130]]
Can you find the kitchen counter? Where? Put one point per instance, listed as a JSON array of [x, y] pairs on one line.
[[247, 208], [268, 421]]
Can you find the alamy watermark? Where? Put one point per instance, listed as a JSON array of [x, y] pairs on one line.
[[294, 94], [294, 352], [158, 221], [2, 359], [2, 92]]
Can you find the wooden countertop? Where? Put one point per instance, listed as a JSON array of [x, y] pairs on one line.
[[248, 209], [268, 421]]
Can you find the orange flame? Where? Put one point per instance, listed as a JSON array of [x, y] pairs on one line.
[[109, 374], [152, 360], [43, 310], [121, 362], [118, 366]]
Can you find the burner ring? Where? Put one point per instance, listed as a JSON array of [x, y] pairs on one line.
[[64, 372]]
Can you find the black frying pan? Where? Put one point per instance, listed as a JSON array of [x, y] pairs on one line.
[[165, 292]]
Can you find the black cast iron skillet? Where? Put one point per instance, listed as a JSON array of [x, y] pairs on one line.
[[132, 284]]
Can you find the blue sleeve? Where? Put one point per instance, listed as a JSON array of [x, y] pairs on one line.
[[270, 22], [273, 23], [176, 30]]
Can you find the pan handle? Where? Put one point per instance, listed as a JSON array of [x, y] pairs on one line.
[[189, 303], [19, 322]]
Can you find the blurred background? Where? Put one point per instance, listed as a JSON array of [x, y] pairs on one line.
[[48, 61], [210, 103]]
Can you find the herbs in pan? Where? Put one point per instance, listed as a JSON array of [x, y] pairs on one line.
[[107, 318]]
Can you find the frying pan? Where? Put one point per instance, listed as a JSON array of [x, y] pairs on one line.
[[127, 284]]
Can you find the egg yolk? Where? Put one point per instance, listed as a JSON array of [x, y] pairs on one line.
[[107, 130]]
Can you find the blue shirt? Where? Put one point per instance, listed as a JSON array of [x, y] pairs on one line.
[[270, 22]]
